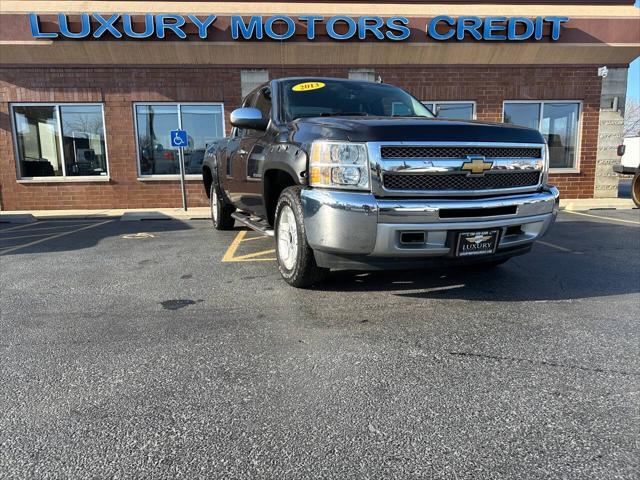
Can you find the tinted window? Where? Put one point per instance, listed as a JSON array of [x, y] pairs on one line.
[[202, 122], [335, 97], [560, 128], [83, 140], [461, 111], [558, 124], [46, 150], [523, 114], [263, 102]]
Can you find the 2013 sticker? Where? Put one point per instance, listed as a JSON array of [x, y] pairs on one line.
[[306, 86]]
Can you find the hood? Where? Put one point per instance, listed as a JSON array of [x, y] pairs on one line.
[[387, 129]]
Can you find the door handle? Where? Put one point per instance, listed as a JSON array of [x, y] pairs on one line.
[[242, 151]]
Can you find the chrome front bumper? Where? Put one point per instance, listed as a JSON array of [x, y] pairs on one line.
[[349, 223]]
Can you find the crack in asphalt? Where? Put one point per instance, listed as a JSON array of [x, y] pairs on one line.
[[544, 363]]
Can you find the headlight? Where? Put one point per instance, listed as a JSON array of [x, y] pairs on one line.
[[339, 165]]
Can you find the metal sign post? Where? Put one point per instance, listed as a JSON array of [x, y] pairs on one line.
[[180, 140]]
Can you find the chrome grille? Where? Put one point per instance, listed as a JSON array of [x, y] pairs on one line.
[[459, 181], [427, 151]]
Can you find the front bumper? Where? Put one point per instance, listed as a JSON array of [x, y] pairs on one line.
[[359, 224]]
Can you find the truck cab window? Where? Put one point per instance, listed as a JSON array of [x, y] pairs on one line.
[[263, 102], [329, 97]]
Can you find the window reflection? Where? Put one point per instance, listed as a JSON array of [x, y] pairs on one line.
[[460, 111], [60, 140], [37, 136], [452, 110], [83, 140], [203, 123], [557, 121], [560, 128], [155, 123], [523, 114]]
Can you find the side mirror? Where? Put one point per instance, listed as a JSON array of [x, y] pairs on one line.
[[250, 118], [621, 150]]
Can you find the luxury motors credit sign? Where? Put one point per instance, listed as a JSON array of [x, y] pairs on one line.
[[284, 27]]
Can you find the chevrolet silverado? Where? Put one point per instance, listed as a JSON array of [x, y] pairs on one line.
[[359, 175]]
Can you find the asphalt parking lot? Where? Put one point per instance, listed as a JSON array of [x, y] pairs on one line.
[[163, 349]]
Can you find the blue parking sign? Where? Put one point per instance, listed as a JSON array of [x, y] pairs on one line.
[[179, 138]]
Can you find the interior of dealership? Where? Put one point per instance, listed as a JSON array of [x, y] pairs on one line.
[[89, 90]]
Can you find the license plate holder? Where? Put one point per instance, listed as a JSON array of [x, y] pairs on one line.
[[477, 243]]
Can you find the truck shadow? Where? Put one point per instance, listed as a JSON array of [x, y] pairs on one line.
[[577, 260], [60, 235]]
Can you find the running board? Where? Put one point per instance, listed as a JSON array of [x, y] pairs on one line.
[[253, 223]]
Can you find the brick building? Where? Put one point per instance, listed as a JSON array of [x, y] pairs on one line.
[[85, 113]]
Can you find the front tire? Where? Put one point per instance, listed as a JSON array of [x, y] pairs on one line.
[[296, 261], [220, 210]]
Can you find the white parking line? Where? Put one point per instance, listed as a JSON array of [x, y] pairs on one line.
[[18, 227], [51, 237], [2, 239], [553, 245], [603, 218]]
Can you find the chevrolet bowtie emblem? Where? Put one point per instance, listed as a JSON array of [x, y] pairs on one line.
[[476, 165]]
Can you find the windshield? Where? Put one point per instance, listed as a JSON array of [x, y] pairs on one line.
[[322, 97]]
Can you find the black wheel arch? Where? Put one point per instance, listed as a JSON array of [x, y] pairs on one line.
[[285, 166], [207, 179], [274, 181]]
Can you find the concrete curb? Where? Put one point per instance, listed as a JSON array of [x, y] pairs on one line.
[[597, 204], [126, 215], [203, 213]]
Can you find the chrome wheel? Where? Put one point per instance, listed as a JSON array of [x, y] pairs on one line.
[[287, 238], [214, 205]]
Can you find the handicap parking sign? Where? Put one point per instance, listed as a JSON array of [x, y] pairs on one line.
[[179, 138]]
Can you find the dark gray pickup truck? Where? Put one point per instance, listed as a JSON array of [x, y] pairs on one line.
[[359, 175]]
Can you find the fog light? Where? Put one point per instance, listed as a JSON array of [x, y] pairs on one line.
[[412, 238]]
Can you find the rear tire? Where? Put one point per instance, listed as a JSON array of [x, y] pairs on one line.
[[296, 261], [635, 189], [220, 210]]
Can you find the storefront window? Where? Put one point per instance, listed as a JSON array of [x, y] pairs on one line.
[[452, 110], [252, 79], [83, 140], [557, 121], [362, 74], [65, 140], [203, 122]]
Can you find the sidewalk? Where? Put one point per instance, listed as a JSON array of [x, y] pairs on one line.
[[200, 213], [126, 215]]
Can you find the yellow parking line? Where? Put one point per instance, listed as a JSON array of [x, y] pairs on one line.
[[248, 239], [52, 237], [253, 255], [228, 256], [603, 218]]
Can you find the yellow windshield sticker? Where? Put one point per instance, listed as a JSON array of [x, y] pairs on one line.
[[306, 86]]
